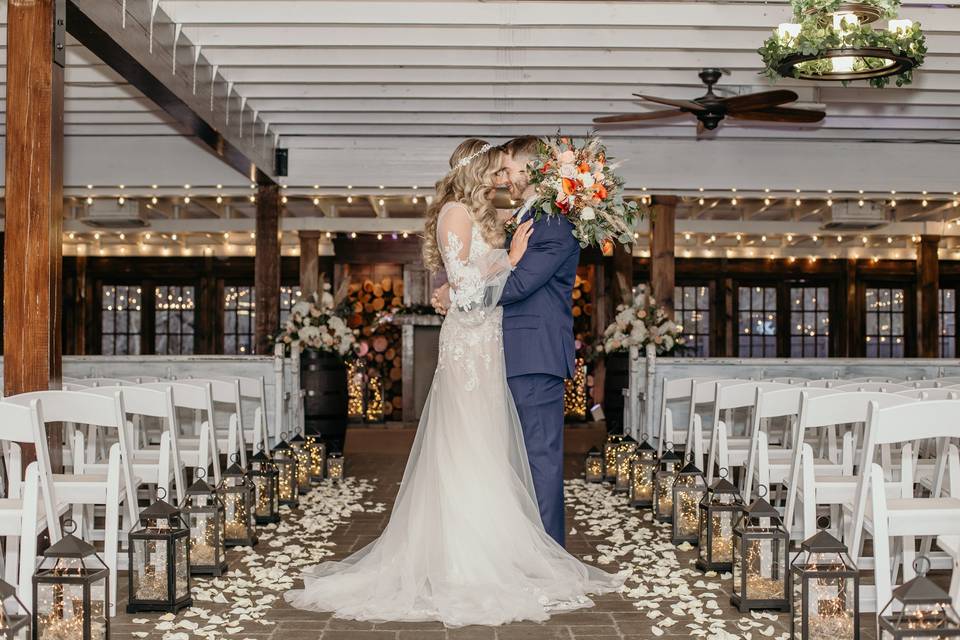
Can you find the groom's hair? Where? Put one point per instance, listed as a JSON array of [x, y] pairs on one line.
[[524, 146]]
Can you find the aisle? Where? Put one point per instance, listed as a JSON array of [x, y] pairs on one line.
[[667, 597]]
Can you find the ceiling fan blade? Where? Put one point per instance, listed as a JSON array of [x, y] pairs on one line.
[[635, 117], [781, 114], [687, 105], [762, 100]]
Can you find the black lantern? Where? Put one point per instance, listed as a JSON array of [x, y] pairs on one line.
[[610, 449], [299, 446], [826, 589], [625, 457], [919, 609], [159, 560], [689, 487], [719, 509], [286, 461], [642, 472], [335, 466], [667, 468], [761, 579], [318, 456], [238, 495], [204, 513], [266, 488], [71, 592], [593, 466], [14, 617]]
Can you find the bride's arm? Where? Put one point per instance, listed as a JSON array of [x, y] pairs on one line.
[[474, 284]]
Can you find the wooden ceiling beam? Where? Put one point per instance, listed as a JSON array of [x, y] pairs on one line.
[[152, 54]]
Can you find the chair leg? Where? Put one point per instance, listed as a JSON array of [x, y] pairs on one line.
[[11, 558], [881, 536]]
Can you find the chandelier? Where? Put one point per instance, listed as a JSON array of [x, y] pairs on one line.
[[834, 40]]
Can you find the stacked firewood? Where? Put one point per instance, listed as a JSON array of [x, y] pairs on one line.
[[369, 297]]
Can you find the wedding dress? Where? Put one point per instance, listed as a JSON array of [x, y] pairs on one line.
[[465, 543]]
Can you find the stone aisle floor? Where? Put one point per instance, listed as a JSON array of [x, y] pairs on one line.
[[665, 597]]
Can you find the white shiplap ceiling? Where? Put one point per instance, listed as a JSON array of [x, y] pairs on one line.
[[371, 93]]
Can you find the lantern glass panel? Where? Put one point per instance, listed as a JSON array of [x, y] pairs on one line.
[[181, 583], [624, 466], [763, 562], [14, 624], [610, 449], [265, 495], [68, 598], [688, 490], [206, 536], [721, 536], [150, 579], [825, 591], [335, 467], [641, 481], [663, 487], [318, 454], [926, 620], [303, 469], [594, 467]]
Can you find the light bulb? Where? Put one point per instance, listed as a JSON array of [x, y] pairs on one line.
[[766, 202], [860, 202], [153, 200], [253, 198], [829, 202], [763, 238], [283, 199], [121, 200], [739, 237], [889, 240], [353, 234], [406, 235], [186, 200], [797, 202], [253, 235], [329, 235], [173, 237], [839, 238], [123, 236], [70, 235], [924, 202], [789, 237], [147, 235], [380, 202], [96, 236], [379, 236], [701, 201], [316, 202], [186, 186], [733, 201], [349, 199], [815, 238], [89, 200], [219, 199], [415, 200]]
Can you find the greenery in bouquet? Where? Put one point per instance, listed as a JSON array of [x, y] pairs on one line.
[[580, 184], [318, 323], [641, 323]]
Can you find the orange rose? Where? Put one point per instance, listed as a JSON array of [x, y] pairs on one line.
[[584, 168], [569, 186], [545, 168], [600, 190]]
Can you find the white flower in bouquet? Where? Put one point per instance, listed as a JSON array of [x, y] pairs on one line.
[[326, 300], [587, 213], [309, 334], [640, 324], [301, 309]]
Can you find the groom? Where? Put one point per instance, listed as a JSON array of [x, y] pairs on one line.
[[538, 333]]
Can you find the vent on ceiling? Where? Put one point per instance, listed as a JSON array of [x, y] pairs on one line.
[[849, 214], [111, 214]]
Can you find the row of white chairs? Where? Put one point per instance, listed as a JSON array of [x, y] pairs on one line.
[[835, 438], [122, 439]]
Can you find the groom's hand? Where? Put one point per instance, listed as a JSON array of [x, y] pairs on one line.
[[441, 299]]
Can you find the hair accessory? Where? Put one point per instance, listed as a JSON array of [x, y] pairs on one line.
[[465, 161]]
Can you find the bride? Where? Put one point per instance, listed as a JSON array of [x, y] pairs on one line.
[[465, 543]]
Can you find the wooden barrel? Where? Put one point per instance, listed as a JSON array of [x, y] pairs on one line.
[[617, 378], [324, 377]]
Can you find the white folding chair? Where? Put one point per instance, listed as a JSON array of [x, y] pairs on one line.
[[118, 486], [30, 506], [829, 482], [254, 391], [888, 515], [704, 393], [677, 390], [824, 383], [200, 449], [883, 387], [226, 393]]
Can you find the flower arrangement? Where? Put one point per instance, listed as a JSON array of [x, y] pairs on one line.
[[641, 323], [317, 323], [579, 183]]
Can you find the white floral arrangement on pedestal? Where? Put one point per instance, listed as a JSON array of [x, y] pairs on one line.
[[639, 324], [317, 323]]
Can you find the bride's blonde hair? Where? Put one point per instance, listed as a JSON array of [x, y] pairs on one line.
[[473, 168]]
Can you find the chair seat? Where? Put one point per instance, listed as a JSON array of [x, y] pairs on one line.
[[780, 470], [918, 516], [11, 510], [950, 544], [87, 488]]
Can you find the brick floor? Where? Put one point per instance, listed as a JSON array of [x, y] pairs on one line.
[[614, 616]]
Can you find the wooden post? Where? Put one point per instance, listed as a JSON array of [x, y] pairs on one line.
[[309, 263], [662, 246], [928, 294], [267, 265], [34, 200], [849, 320]]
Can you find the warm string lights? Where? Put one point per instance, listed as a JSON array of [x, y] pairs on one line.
[[575, 393], [374, 398]]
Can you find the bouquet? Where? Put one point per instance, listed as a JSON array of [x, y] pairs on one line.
[[641, 323], [579, 184], [318, 324]]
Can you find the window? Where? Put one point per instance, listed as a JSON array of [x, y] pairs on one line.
[[757, 322], [885, 319], [238, 320], [289, 296], [173, 320], [692, 312], [809, 322], [948, 323], [120, 320]]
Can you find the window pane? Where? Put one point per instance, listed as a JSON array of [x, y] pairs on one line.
[[173, 319], [809, 322], [692, 311], [757, 322], [119, 320], [948, 323], [884, 309]]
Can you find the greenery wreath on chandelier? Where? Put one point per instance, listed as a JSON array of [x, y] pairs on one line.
[[833, 40]]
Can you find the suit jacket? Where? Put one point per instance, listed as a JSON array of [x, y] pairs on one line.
[[537, 314]]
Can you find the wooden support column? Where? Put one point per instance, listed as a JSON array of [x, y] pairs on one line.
[[309, 262], [662, 247], [928, 294], [267, 265], [34, 200]]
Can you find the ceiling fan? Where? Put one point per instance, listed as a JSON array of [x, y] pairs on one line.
[[709, 109]]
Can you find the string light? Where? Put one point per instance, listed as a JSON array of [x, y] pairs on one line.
[[329, 235], [89, 200], [829, 202], [70, 235], [415, 200], [379, 236], [686, 236], [349, 199], [739, 237], [766, 202], [219, 199], [283, 199], [789, 237], [253, 235], [353, 234], [186, 200], [380, 202], [96, 236], [405, 235], [316, 202], [123, 236], [253, 198], [889, 240], [763, 238], [186, 186], [815, 238], [147, 236], [153, 200], [121, 200], [860, 202], [173, 237], [733, 201], [839, 238], [701, 201]]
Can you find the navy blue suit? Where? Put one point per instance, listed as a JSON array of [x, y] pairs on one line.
[[539, 349]]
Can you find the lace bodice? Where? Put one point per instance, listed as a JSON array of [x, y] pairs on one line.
[[476, 274]]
